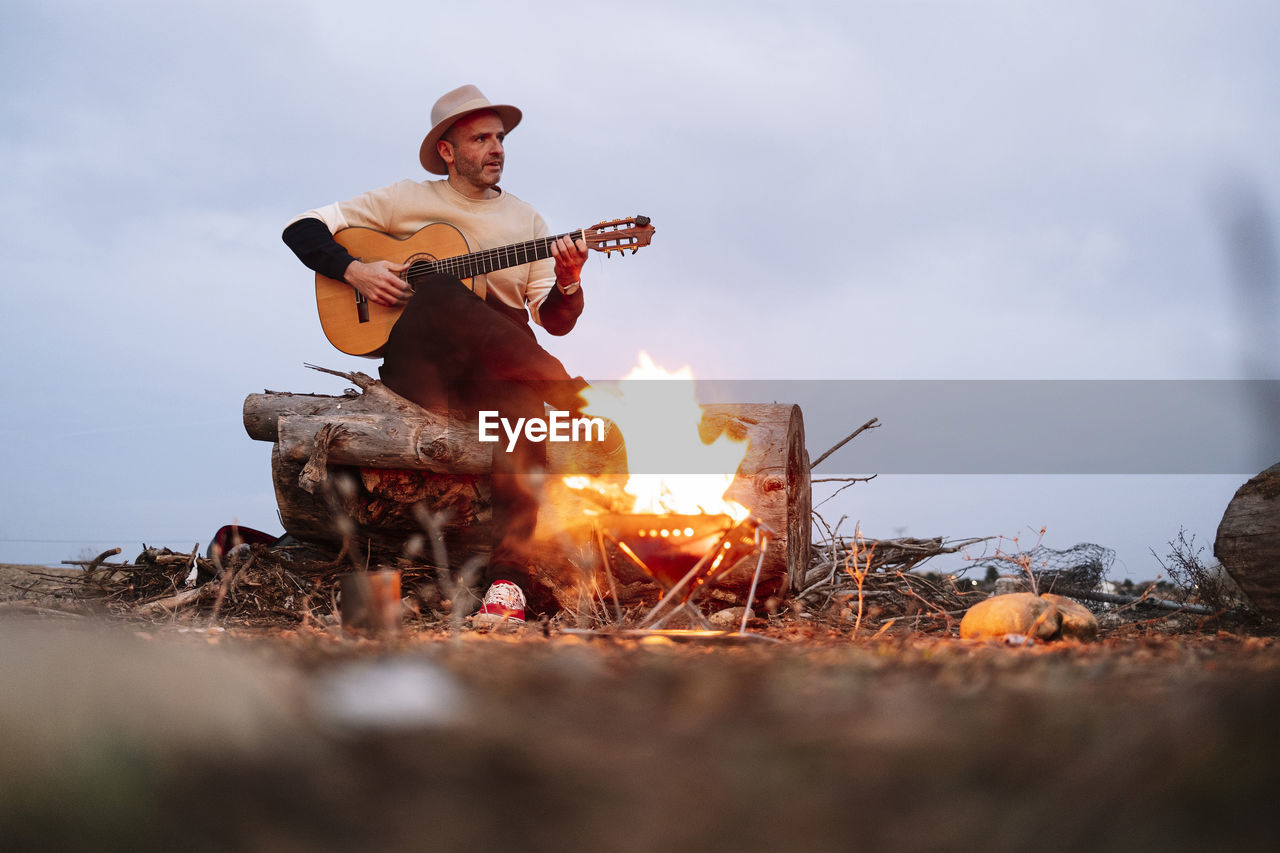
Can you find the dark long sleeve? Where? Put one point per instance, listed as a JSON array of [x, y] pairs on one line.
[[559, 313], [311, 241]]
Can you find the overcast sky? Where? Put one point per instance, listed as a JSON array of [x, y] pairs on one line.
[[905, 190]]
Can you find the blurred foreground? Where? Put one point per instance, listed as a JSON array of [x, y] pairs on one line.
[[136, 736]]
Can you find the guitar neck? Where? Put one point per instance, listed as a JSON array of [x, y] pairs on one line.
[[489, 260]]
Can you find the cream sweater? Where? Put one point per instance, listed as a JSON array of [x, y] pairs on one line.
[[404, 208]]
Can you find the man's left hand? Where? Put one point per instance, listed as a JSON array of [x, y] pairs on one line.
[[570, 255]]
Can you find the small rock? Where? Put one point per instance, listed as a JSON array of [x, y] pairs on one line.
[[730, 617], [1006, 584]]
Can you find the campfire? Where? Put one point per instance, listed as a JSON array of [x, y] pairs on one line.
[[672, 518], [673, 469]]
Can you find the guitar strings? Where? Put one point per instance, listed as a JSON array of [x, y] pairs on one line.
[[478, 263], [489, 260]]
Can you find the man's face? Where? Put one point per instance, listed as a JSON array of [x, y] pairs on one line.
[[473, 148]]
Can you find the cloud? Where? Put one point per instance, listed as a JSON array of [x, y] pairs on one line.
[[865, 190]]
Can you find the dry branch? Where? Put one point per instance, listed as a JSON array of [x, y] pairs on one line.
[[363, 380], [97, 562], [871, 424], [172, 603], [1143, 600], [857, 570]]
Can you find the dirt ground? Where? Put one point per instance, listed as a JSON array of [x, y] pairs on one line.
[[196, 734]]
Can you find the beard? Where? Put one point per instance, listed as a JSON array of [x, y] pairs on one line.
[[474, 171]]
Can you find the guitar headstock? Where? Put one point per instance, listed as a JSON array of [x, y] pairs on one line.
[[618, 235]]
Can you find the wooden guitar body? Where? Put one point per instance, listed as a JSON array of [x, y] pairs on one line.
[[357, 326], [360, 327]]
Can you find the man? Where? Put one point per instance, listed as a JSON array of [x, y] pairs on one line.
[[452, 348]]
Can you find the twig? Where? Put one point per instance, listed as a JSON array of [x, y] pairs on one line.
[[93, 564], [851, 481], [364, 380], [608, 571], [173, 603], [941, 614], [61, 580], [228, 576], [454, 586], [884, 627], [945, 614], [859, 572], [871, 424], [1144, 599], [96, 563], [1145, 622]]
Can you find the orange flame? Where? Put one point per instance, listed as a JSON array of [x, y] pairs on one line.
[[659, 421]]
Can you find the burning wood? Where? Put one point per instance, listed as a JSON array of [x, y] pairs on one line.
[[694, 469], [683, 553], [672, 468]]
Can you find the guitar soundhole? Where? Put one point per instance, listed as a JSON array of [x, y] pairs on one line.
[[420, 266]]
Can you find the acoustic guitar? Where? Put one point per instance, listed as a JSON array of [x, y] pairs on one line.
[[357, 326]]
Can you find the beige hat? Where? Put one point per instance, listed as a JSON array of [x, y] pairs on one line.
[[451, 107]]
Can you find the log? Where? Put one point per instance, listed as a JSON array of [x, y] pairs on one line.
[[380, 429], [1248, 541], [362, 464], [378, 506], [262, 412], [425, 441], [773, 481]]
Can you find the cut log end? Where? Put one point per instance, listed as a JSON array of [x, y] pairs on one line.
[[1248, 541]]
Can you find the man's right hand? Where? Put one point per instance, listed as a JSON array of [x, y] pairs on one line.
[[380, 282]]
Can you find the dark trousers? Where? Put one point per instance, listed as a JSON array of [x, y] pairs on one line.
[[449, 351]]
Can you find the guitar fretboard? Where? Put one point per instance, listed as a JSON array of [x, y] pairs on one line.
[[488, 260]]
